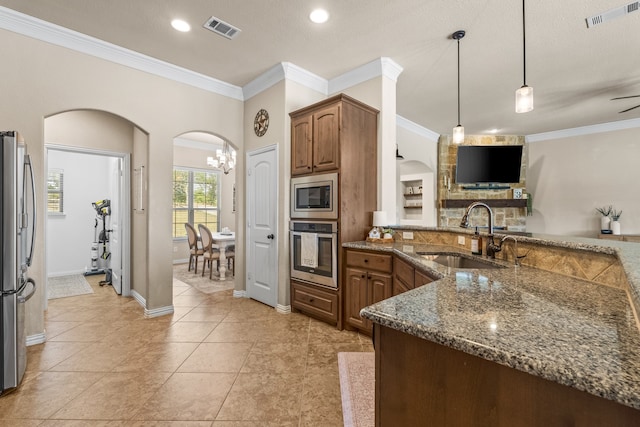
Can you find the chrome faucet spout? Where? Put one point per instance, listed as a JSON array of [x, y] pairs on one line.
[[514, 249]]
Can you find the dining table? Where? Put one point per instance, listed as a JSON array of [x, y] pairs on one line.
[[222, 240]]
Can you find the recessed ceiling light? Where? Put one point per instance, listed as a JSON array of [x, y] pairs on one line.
[[319, 16], [180, 25], [493, 130]]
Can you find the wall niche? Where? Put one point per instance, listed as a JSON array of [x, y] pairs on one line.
[[509, 213]]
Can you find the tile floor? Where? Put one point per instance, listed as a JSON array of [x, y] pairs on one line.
[[217, 361]]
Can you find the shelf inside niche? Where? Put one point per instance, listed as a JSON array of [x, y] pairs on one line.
[[493, 203]]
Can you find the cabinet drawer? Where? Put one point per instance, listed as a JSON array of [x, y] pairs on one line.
[[404, 272], [314, 301], [369, 261]]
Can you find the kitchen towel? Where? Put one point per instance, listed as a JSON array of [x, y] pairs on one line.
[[309, 250]]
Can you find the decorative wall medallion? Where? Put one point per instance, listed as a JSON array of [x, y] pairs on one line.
[[261, 122]]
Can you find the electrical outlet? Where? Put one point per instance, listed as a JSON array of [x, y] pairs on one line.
[[461, 240], [407, 235], [175, 249]]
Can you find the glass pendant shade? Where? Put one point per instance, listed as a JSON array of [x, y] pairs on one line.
[[524, 99], [458, 134], [225, 159]]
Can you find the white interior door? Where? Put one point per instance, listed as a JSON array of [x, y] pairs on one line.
[[262, 248], [115, 241]]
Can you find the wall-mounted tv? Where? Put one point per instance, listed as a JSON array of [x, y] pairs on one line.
[[499, 164]]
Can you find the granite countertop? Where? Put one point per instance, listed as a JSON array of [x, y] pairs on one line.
[[563, 329]]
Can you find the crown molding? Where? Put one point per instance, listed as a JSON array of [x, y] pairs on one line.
[[380, 67], [584, 130], [54, 34], [282, 71], [416, 128]]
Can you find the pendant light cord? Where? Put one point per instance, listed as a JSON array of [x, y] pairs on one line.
[[524, 49], [458, 40]]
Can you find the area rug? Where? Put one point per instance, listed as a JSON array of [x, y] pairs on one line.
[[67, 286], [357, 388], [203, 284]]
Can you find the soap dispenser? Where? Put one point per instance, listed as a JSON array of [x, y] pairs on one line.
[[476, 243]]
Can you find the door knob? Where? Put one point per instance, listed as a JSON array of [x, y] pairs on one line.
[[270, 236]]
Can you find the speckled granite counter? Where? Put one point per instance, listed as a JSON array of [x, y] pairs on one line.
[[563, 329]]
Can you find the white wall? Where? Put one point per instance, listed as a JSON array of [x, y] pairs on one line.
[[570, 177], [69, 236]]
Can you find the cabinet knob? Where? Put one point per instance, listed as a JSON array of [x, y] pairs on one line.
[[308, 167], [366, 260], [311, 300], [362, 276]]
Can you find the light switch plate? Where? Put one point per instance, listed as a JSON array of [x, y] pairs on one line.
[[461, 240], [407, 235]]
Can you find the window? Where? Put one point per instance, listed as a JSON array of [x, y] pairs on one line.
[[55, 191], [195, 199]]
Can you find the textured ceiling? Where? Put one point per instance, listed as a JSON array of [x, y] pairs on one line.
[[575, 71]]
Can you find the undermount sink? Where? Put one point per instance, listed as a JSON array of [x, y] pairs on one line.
[[457, 260]]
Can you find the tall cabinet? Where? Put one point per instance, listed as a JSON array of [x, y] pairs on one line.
[[339, 134]]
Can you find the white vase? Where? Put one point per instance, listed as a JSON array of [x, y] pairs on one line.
[[604, 223], [615, 227]]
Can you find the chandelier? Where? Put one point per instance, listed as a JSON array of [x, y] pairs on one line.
[[225, 158]]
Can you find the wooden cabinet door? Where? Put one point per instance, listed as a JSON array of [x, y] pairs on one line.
[[399, 287], [422, 279], [380, 287], [302, 145], [355, 296], [326, 139]]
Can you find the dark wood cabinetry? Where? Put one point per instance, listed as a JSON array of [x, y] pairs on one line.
[[367, 280], [339, 134], [319, 302]]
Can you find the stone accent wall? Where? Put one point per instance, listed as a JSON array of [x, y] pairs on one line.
[[596, 267], [448, 189]]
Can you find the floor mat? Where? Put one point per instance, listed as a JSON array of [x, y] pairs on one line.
[[67, 286], [357, 388], [203, 284]]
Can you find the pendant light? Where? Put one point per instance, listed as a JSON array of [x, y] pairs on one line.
[[458, 131], [524, 95]]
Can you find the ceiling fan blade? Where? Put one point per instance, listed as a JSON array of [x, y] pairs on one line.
[[626, 97], [629, 109]]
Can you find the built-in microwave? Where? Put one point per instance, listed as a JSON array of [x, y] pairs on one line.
[[315, 196]]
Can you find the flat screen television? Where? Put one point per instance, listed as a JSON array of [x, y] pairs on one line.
[[488, 164]]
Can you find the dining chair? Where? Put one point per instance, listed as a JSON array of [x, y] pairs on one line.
[[230, 254], [195, 250], [210, 254]]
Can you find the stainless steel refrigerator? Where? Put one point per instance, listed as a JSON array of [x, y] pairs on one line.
[[17, 234]]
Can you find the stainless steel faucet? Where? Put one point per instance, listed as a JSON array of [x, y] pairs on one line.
[[492, 248]]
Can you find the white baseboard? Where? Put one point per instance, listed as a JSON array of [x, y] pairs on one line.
[[36, 339], [157, 312], [239, 294], [139, 298], [284, 309], [180, 261]]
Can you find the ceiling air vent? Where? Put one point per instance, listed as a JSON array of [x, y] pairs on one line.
[[612, 14], [218, 26]]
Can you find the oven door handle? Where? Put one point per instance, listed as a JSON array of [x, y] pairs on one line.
[[323, 235]]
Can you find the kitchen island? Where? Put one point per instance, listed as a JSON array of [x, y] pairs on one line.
[[507, 346]]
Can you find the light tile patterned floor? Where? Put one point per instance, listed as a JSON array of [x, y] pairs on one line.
[[217, 361]]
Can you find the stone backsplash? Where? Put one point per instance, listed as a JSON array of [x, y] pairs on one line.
[[448, 189], [601, 268]]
